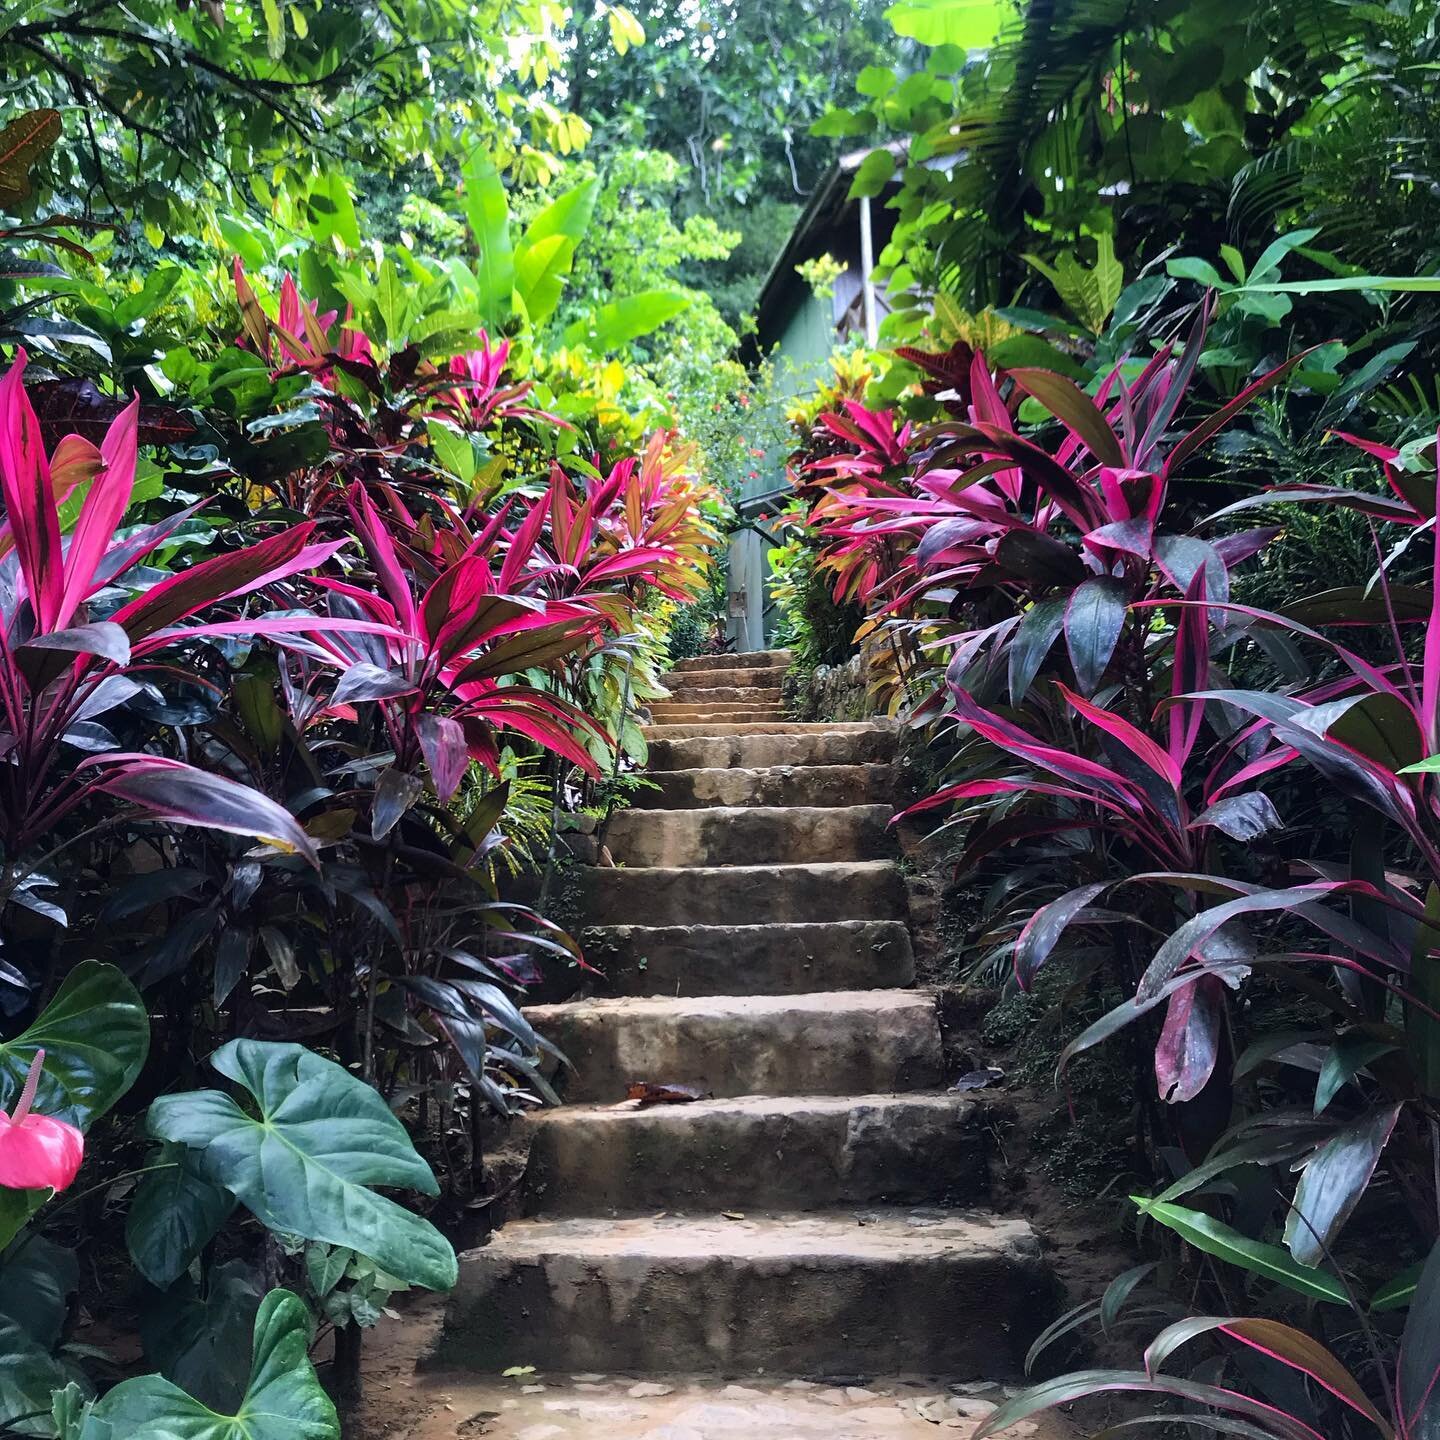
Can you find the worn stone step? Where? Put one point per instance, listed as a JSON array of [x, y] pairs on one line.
[[696, 689], [684, 730], [758, 1153], [750, 835], [743, 660], [836, 1042], [751, 959], [770, 785], [549, 1406], [667, 712], [730, 894], [751, 751], [880, 1291]]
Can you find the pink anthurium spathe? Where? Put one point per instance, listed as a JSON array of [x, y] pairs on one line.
[[37, 1152]]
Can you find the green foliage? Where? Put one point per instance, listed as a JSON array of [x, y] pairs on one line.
[[283, 1400], [95, 1034], [282, 1164]]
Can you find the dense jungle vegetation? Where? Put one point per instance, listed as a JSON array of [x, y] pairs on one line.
[[370, 422]]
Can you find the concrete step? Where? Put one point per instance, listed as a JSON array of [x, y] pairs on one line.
[[873, 1293], [757, 1153], [545, 1406], [836, 1042], [751, 959], [771, 785], [685, 730], [729, 894], [751, 750], [750, 835], [667, 712], [696, 689], [746, 660]]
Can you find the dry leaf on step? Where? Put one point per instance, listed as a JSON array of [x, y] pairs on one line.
[[648, 1092]]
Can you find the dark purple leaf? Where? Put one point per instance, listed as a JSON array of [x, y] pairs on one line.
[[446, 753], [395, 792], [1075, 409], [1033, 555], [103, 638], [183, 795], [1333, 1183], [1044, 928], [232, 958], [364, 681], [1034, 638], [1241, 817], [1189, 1041], [1094, 619], [1418, 1378]]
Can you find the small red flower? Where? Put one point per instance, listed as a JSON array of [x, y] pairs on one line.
[[37, 1152]]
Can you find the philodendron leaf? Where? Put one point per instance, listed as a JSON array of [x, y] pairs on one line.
[[196, 1338], [37, 1279], [303, 1164], [95, 1035], [283, 1400], [175, 1213], [29, 1375]]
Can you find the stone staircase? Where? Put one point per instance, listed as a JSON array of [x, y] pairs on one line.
[[819, 1215]]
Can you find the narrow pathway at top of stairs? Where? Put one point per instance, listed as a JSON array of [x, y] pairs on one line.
[[806, 1249]]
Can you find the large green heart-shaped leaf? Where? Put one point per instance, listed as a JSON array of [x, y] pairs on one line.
[[303, 1164], [37, 1278], [196, 1339], [29, 1375], [283, 1400], [173, 1216], [95, 1035]]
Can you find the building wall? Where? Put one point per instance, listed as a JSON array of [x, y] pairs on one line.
[[801, 355]]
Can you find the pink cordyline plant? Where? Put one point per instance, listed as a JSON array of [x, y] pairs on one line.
[[64, 669]]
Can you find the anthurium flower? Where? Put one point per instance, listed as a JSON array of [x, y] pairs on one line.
[[37, 1152]]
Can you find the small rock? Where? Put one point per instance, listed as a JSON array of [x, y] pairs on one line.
[[591, 1387], [532, 1389], [972, 1409], [800, 1385], [972, 1387], [936, 1409], [831, 1397], [742, 1392], [648, 1390], [857, 1393], [586, 1379]]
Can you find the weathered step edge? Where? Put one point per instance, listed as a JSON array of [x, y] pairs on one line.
[[758, 1153], [749, 750], [750, 835], [722, 894], [871, 1293], [838, 1042], [751, 959], [740, 660], [804, 785]]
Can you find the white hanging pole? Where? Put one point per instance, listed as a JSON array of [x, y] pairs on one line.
[[867, 266]]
